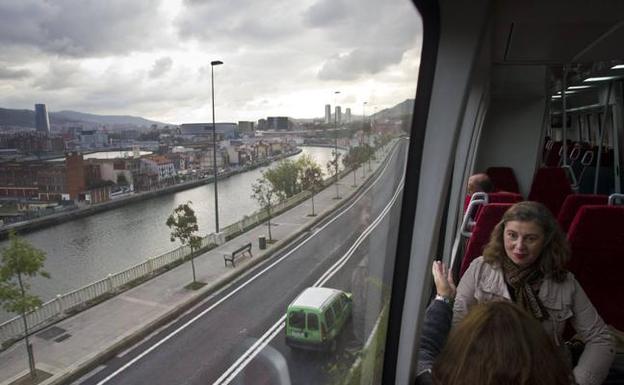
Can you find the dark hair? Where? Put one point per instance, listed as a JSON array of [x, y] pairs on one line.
[[498, 343], [486, 185], [555, 251]]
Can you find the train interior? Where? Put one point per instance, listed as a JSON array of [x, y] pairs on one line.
[[532, 94]]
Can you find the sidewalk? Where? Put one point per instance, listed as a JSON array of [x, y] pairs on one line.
[[73, 346]]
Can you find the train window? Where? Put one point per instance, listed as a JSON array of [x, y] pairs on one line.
[[135, 110]]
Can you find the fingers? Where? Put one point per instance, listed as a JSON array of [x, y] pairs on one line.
[[450, 280]]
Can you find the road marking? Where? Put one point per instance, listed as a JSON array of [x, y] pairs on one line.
[[234, 370], [243, 285]]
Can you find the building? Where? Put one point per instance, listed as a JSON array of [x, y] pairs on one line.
[[223, 130], [161, 166], [279, 123], [348, 115], [327, 114], [93, 139], [42, 121], [245, 127], [338, 115]]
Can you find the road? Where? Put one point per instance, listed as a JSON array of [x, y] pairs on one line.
[[353, 250]]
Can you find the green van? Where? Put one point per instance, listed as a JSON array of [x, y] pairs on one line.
[[316, 317]]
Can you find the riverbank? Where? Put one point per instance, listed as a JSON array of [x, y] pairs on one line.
[[55, 219]]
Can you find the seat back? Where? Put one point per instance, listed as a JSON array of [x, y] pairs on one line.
[[501, 197], [573, 203], [596, 239], [490, 215], [550, 187], [503, 179]]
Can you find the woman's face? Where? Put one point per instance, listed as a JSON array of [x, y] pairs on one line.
[[523, 241]]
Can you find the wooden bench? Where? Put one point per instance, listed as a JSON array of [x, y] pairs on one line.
[[230, 257]]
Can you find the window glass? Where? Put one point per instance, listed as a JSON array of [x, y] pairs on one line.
[[270, 119], [297, 319], [312, 322], [329, 318], [337, 309]]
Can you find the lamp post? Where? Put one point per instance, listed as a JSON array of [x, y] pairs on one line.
[[214, 145], [367, 133], [336, 143]]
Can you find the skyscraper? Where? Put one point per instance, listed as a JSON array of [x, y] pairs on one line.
[[338, 115], [348, 115], [327, 114], [42, 122]]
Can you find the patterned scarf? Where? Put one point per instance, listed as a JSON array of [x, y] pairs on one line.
[[525, 282]]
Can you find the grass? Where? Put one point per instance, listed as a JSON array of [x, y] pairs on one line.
[[195, 285]]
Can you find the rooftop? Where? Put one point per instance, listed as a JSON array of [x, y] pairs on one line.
[[314, 297]]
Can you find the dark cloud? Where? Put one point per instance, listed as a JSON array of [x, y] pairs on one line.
[[359, 62], [12, 73], [161, 67], [80, 28], [238, 23]]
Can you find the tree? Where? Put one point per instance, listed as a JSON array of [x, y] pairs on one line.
[[264, 193], [311, 176], [351, 161], [332, 166], [285, 178], [183, 223], [21, 261]]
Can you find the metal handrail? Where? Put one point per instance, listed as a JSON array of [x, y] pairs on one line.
[[613, 198]]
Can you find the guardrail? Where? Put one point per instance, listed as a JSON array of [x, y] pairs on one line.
[[76, 300]]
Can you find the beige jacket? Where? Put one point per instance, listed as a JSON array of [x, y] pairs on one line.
[[563, 301]]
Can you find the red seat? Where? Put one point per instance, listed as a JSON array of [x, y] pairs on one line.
[[596, 239], [501, 197], [550, 187], [490, 215], [503, 179], [573, 203]]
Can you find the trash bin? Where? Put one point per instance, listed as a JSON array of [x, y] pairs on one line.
[[262, 242]]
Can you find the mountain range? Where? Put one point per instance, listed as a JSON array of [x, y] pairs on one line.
[[26, 119]]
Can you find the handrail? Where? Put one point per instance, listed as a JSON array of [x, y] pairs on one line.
[[617, 197], [574, 183]]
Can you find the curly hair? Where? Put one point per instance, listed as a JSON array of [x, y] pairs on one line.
[[555, 252]]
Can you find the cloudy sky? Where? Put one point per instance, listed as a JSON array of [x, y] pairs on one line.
[[151, 58]]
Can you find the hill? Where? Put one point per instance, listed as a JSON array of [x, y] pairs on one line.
[[105, 119], [26, 119], [404, 108]]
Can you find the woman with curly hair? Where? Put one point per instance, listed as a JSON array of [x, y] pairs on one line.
[[524, 262]]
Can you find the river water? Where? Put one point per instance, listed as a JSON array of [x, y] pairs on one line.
[[88, 249]]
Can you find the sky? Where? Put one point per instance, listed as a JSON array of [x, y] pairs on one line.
[[151, 58]]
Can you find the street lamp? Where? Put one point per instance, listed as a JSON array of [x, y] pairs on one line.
[[214, 145], [367, 133], [336, 142]]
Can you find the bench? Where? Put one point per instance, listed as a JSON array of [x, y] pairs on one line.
[[230, 257]]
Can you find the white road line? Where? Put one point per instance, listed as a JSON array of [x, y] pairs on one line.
[[239, 288], [230, 374]]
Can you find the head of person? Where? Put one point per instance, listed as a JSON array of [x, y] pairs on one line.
[[528, 235], [498, 343], [479, 183]]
